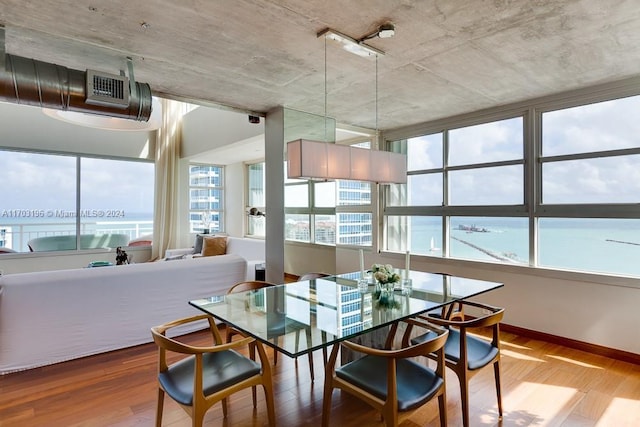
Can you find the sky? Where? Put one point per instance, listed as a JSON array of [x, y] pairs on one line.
[[48, 182], [607, 125]]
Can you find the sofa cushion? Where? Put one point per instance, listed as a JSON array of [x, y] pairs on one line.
[[249, 249], [212, 246], [146, 240]]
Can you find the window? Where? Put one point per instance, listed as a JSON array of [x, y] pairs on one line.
[[497, 190], [328, 213], [40, 193], [482, 175], [206, 198], [354, 215], [256, 199], [309, 208], [590, 188]]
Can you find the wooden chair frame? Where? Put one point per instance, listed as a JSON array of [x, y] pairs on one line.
[[461, 367], [389, 407], [201, 402]]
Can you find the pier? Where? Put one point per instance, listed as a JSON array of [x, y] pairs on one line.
[[491, 254]]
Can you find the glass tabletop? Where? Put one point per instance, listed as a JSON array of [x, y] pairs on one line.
[[303, 316]]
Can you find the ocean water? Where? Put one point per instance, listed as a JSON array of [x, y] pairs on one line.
[[593, 245]]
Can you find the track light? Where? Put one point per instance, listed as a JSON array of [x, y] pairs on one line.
[[386, 30]]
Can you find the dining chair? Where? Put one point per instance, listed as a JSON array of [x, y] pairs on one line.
[[387, 379], [467, 354], [275, 329], [210, 374]]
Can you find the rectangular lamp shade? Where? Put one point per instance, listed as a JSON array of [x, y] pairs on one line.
[[328, 161]]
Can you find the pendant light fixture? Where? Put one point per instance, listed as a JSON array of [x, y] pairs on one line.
[[327, 161]]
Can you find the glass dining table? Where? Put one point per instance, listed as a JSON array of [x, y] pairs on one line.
[[327, 310]]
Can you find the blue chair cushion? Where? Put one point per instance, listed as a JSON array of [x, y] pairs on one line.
[[479, 351], [416, 383], [221, 370]]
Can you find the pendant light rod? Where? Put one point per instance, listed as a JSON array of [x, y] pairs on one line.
[[2, 48], [376, 97], [325, 90]]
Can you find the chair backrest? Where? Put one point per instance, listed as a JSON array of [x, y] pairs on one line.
[[492, 316], [424, 348], [195, 382], [250, 285], [310, 276], [490, 320], [466, 354], [384, 380], [164, 343]]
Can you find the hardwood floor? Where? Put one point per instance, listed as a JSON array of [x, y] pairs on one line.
[[543, 385]]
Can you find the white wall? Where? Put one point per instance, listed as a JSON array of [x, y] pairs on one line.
[[300, 258], [205, 129], [24, 126], [600, 310]]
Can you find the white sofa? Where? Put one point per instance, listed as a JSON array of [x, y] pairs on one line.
[[253, 250], [54, 316]]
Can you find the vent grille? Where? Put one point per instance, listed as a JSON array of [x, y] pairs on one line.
[[104, 86], [108, 90]]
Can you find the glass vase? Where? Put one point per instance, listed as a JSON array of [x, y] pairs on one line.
[[384, 297]]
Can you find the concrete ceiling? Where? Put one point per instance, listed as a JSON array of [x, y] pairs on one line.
[[447, 57]]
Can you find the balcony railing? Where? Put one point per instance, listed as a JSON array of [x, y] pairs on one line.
[[17, 235]]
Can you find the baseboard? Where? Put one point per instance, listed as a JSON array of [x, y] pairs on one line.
[[612, 353]]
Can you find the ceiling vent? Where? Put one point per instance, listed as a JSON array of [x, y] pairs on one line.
[[107, 90]]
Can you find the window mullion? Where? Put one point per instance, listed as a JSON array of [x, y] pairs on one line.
[[78, 202]]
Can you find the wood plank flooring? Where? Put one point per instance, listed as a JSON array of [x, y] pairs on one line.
[[543, 385]]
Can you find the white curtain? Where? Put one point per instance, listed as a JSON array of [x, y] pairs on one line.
[[168, 141]]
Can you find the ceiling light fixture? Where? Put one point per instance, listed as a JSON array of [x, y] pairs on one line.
[[384, 31], [327, 161], [350, 44]]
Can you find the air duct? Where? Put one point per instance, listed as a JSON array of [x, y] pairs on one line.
[[46, 85], [32, 82]]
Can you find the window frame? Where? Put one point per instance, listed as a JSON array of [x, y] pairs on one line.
[[311, 210], [247, 205], [221, 211], [79, 207], [533, 162]]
